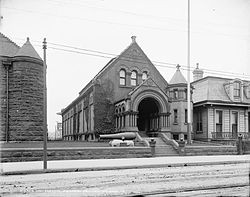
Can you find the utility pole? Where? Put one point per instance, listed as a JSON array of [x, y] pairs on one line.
[[188, 80], [45, 131]]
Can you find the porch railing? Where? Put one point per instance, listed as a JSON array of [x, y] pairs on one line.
[[229, 135]]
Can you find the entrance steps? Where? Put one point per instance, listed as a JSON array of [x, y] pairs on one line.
[[161, 148]]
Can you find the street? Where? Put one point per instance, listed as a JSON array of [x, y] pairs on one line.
[[206, 180]]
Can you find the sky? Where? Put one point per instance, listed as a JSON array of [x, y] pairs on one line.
[[94, 31]]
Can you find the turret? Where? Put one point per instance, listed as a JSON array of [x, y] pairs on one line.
[[26, 95]]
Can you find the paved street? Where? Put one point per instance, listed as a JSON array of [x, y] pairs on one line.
[[124, 163], [207, 180]]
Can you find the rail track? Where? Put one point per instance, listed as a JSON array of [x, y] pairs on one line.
[[207, 180]]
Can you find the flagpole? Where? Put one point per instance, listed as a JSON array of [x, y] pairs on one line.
[[188, 80]]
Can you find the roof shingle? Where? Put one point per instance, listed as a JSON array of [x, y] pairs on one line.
[[7, 47], [178, 77], [27, 50]]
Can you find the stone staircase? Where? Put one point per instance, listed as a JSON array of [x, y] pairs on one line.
[[161, 148]]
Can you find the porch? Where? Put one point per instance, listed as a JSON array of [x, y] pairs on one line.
[[229, 135]]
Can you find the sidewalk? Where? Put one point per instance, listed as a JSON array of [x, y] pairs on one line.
[[111, 164]]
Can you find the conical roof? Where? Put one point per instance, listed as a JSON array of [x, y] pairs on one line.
[[7, 47], [178, 77], [27, 50]]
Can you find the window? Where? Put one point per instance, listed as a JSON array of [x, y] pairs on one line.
[[122, 77], [186, 116], [236, 89], [175, 116], [234, 124], [199, 122], [185, 94], [181, 94], [219, 123], [134, 78], [144, 76], [175, 93]]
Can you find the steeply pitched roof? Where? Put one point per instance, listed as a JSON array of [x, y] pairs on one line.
[[7, 47], [27, 50], [148, 82], [129, 54], [178, 77]]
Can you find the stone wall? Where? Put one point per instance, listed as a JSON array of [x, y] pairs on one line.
[[246, 147], [36, 154], [26, 100], [104, 110], [2, 100]]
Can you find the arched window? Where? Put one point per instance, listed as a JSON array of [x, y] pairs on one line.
[[134, 78], [122, 77], [144, 76]]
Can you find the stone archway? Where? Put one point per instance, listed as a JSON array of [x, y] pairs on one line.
[[148, 115], [151, 110]]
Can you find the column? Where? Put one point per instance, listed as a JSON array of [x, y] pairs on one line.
[[127, 120], [122, 117]]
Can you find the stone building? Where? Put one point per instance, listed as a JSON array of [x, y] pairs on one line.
[[221, 107], [21, 92], [177, 91], [128, 94]]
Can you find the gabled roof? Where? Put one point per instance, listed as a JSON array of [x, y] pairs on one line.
[[178, 78], [149, 82], [125, 55], [27, 50], [7, 47]]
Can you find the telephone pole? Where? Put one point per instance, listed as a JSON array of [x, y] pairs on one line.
[[45, 129]]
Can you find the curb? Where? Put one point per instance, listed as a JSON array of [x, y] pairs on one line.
[[120, 167]]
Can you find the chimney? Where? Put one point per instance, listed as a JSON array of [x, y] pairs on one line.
[[133, 39], [197, 73]]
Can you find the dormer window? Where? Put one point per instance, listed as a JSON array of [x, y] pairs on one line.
[[122, 77], [236, 89], [144, 76], [134, 78]]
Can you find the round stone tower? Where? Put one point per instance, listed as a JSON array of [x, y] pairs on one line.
[[26, 95], [177, 91]]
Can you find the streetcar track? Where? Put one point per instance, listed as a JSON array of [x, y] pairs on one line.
[[174, 192], [175, 179]]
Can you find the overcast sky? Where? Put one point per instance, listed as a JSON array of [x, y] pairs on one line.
[[220, 37]]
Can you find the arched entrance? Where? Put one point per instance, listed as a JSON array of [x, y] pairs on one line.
[[148, 115]]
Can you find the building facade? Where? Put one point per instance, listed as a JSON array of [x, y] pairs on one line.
[[177, 91], [128, 94], [221, 108], [21, 92]]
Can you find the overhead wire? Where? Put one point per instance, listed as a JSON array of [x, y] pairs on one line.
[[181, 30], [89, 52]]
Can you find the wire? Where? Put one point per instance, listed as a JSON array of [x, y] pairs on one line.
[[157, 65], [96, 21], [62, 3], [127, 58], [209, 33]]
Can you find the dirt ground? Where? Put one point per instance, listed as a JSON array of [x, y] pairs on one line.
[[169, 180]]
